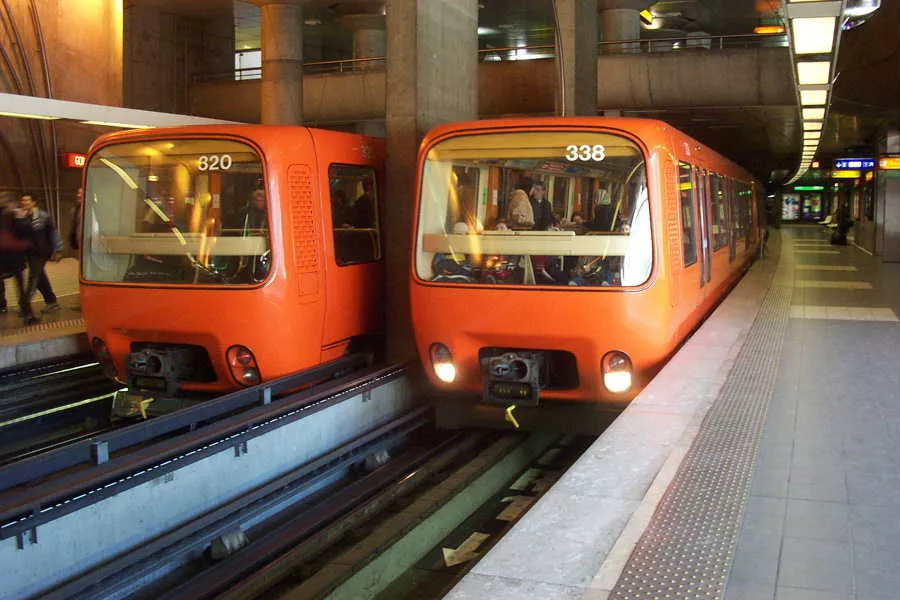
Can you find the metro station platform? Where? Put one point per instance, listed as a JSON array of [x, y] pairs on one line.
[[59, 333], [763, 462]]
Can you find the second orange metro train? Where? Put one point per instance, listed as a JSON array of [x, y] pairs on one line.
[[566, 259]]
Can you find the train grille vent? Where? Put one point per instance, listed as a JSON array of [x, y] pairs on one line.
[[303, 217], [673, 231]]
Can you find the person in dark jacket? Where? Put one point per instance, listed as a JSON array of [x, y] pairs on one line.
[[15, 244], [541, 207], [46, 245]]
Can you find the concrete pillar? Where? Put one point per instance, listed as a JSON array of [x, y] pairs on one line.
[[620, 24], [432, 62], [369, 38], [577, 43], [282, 61]]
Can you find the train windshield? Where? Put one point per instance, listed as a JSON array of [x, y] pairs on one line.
[[176, 211], [567, 208]]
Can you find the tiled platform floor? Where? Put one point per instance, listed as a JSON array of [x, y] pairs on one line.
[[823, 517]]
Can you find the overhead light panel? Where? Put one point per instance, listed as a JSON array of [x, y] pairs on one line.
[[813, 72], [813, 35], [768, 29], [813, 97], [815, 114], [812, 126]]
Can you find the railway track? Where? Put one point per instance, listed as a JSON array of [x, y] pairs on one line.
[[45, 405]]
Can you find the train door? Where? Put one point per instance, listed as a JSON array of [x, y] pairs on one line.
[[732, 221], [354, 264], [701, 184]]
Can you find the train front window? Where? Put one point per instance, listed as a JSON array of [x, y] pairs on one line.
[[176, 211], [566, 208]]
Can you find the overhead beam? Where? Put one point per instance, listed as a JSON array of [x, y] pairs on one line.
[[34, 107]]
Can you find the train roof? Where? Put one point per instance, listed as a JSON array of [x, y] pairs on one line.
[[262, 133]]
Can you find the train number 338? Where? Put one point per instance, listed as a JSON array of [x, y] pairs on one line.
[[215, 162], [597, 152]]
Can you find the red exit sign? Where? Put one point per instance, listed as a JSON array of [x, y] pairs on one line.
[[74, 160]]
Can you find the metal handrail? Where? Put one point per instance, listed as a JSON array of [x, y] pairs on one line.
[[641, 45]]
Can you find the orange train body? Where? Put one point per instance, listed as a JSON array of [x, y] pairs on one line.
[[177, 260], [602, 177]]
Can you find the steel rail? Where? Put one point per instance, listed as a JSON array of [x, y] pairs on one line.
[[21, 510], [120, 575]]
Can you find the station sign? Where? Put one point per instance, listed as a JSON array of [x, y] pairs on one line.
[[74, 160], [844, 164]]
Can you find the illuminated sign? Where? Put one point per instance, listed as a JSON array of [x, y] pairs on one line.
[[808, 188], [889, 162], [74, 160], [843, 164], [846, 174]]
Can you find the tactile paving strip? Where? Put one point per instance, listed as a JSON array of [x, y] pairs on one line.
[[47, 326], [687, 550]]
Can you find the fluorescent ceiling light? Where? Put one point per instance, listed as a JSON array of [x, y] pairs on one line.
[[811, 135], [813, 72], [814, 35], [815, 114], [27, 116], [813, 97], [812, 126], [122, 125]]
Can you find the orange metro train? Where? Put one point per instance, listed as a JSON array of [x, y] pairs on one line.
[[220, 256], [563, 260]]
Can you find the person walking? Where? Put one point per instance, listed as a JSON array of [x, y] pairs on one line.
[[15, 245], [46, 245]]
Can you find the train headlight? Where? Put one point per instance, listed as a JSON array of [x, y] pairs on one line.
[[616, 368], [101, 351], [442, 362], [243, 366]]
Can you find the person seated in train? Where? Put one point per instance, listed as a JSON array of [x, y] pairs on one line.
[[500, 268], [453, 266]]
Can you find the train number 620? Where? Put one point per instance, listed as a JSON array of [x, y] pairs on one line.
[[597, 152], [214, 162]]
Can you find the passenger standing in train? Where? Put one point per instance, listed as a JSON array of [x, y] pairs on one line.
[[364, 207], [46, 245], [255, 217], [541, 207], [14, 246]]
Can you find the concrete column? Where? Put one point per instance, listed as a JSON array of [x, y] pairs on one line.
[[369, 38], [577, 41], [282, 61], [432, 62], [621, 24]]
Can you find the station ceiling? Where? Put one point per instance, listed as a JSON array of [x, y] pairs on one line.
[[865, 99]]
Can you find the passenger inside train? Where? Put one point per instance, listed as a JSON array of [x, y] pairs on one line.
[[177, 212], [527, 209]]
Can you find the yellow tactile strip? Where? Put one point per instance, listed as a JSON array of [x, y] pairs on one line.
[[843, 313], [42, 327]]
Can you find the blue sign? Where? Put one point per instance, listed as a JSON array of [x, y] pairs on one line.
[[845, 164]]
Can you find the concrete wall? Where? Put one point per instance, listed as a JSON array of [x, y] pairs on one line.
[[752, 77], [164, 52], [84, 63]]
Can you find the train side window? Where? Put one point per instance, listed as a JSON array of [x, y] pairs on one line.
[[688, 218], [354, 214], [719, 210]]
